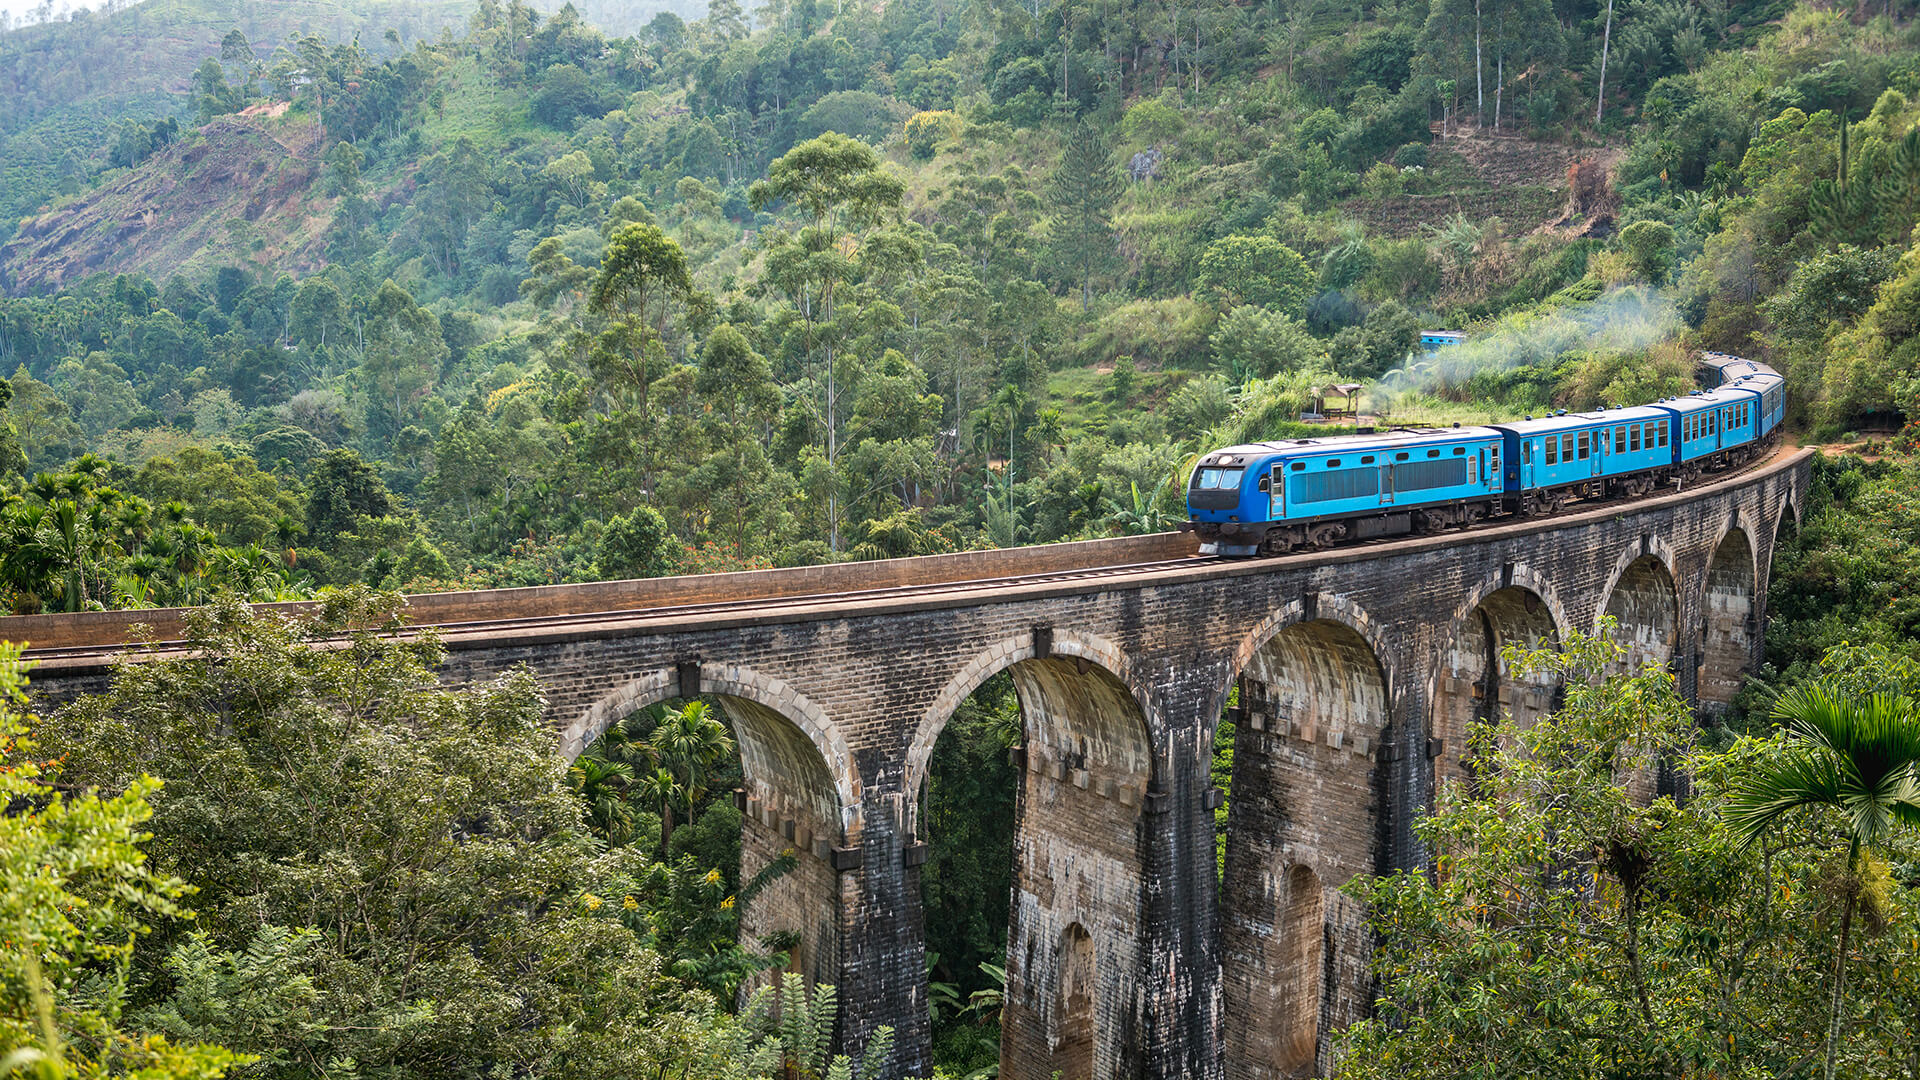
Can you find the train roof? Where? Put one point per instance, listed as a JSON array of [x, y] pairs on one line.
[[1729, 363], [1729, 393], [1342, 443], [1582, 421]]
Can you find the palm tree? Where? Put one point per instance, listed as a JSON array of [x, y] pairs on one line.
[[1859, 756], [603, 784], [689, 742], [286, 534], [659, 787]]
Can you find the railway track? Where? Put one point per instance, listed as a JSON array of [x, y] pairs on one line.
[[772, 606], [767, 606]]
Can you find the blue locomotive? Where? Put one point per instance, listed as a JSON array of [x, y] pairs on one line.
[[1315, 492]]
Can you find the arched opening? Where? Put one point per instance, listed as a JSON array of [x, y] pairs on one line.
[[790, 815], [1476, 685], [966, 818], [1303, 938], [1304, 818], [1645, 608], [1727, 634], [1048, 756], [1646, 613], [1074, 1005], [738, 805]]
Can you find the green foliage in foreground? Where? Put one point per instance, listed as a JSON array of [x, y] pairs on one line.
[[1572, 929], [393, 879], [1850, 572], [75, 896]]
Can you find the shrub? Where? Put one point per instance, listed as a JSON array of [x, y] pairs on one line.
[[926, 130]]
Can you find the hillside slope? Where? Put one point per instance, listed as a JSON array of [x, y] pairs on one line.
[[241, 191], [65, 85]]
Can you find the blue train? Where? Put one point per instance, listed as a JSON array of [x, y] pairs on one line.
[[1316, 492]]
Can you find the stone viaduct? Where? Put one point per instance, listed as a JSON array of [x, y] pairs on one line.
[[1358, 672]]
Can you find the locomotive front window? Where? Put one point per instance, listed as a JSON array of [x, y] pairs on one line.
[[1220, 479]]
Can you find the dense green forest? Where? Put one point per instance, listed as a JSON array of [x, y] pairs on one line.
[[301, 299], [521, 302]]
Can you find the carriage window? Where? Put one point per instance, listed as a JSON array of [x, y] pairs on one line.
[[1333, 463], [1620, 439], [1458, 450], [1633, 438], [1713, 422], [1298, 465], [1585, 445], [1566, 447], [1433, 453], [1399, 457], [1662, 427], [1553, 450], [1368, 460], [1526, 453]]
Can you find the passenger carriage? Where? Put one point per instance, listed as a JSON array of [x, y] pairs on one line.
[[1315, 492]]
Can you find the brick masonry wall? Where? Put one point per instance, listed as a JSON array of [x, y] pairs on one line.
[[1350, 648]]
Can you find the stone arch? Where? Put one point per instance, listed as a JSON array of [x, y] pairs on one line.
[[996, 658], [801, 796], [1078, 880], [1317, 607], [1642, 597], [1305, 816], [1729, 610], [1472, 682], [777, 716]]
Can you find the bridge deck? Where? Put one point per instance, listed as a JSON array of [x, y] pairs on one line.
[[600, 609]]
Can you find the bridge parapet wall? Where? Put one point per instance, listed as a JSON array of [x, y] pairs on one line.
[[107, 628]]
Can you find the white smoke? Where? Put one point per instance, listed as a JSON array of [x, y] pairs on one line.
[[1625, 319]]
